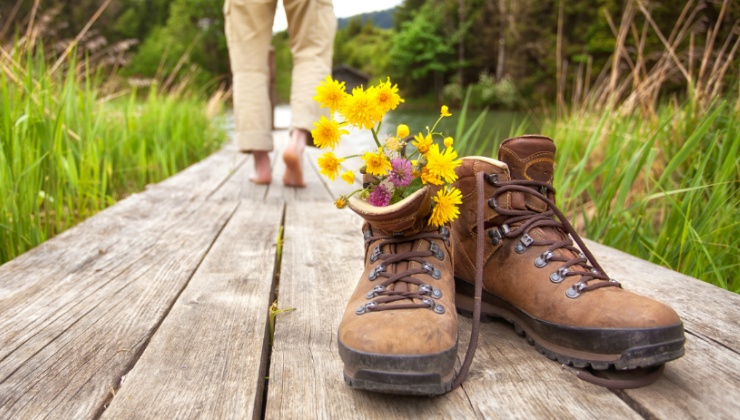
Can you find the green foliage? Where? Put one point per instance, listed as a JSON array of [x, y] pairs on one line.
[[193, 34], [419, 51], [364, 47], [66, 152]]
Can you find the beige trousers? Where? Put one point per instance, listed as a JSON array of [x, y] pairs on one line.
[[312, 26]]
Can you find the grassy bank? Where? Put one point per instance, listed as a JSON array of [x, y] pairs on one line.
[[71, 145]]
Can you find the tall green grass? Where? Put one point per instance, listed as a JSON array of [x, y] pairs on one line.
[[67, 151]]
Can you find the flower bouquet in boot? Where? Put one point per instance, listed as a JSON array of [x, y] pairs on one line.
[[399, 331]]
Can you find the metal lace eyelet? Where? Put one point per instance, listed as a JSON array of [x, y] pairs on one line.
[[575, 290], [365, 308], [434, 272], [524, 242], [542, 260], [616, 282], [425, 289], [438, 309], [559, 275], [436, 293], [543, 189], [368, 233], [445, 233], [436, 251], [376, 254], [595, 271], [495, 236], [492, 179], [376, 271], [375, 292], [492, 203]]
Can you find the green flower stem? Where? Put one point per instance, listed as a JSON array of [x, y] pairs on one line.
[[375, 136]]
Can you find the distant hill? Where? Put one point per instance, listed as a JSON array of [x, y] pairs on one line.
[[381, 18]]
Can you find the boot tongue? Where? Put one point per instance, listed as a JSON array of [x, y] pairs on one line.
[[407, 217], [530, 158]]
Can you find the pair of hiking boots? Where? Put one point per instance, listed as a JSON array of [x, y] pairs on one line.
[[510, 255]]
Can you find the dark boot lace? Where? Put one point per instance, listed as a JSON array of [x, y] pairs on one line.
[[592, 276], [425, 295], [526, 220]]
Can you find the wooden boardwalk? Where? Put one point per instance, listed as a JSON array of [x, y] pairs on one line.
[[158, 308]]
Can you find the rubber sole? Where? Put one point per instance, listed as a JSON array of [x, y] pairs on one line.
[[428, 375], [598, 348]]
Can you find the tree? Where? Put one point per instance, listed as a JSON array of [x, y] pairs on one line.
[[420, 53]]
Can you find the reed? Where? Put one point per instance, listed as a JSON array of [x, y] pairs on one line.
[[73, 143]]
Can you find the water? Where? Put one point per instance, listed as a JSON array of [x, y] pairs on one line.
[[495, 126]]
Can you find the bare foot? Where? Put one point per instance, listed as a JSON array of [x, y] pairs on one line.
[[262, 172], [293, 158]]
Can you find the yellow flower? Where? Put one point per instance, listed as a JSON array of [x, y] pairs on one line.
[[445, 210], [330, 94], [330, 165], [327, 133], [445, 111], [442, 164], [429, 178], [402, 131], [422, 142], [349, 177], [360, 109], [341, 202], [377, 163], [392, 144], [449, 141], [386, 96]]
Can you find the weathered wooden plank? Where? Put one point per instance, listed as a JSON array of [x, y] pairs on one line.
[[509, 379], [707, 310], [203, 178], [66, 347], [239, 187], [322, 259], [206, 360], [705, 383]]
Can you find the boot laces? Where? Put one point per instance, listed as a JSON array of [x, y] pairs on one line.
[[526, 220], [425, 295], [583, 264]]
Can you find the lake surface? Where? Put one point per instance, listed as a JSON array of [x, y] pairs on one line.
[[495, 126]]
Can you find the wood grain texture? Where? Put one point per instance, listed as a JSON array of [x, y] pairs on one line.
[[206, 360], [706, 310], [510, 379], [66, 350]]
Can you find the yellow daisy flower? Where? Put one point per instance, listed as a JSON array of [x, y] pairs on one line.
[[349, 177], [442, 164], [330, 165], [377, 163], [402, 131], [422, 142], [429, 178], [386, 96], [327, 133], [330, 94], [449, 141], [360, 109], [341, 202], [445, 111], [445, 210]]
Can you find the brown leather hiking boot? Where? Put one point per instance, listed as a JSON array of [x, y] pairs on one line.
[[553, 292], [399, 331]]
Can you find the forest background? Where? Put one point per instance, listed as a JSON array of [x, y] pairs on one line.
[[99, 98]]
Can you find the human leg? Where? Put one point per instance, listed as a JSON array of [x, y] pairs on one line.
[[312, 26], [248, 36]]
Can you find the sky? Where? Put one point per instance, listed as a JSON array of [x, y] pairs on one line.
[[342, 8]]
